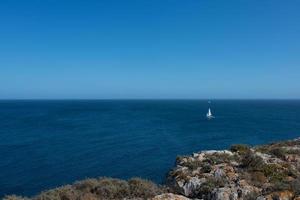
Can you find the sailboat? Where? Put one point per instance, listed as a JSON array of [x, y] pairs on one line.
[[209, 115]]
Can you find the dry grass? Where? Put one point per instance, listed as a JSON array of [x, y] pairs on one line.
[[100, 189], [14, 197]]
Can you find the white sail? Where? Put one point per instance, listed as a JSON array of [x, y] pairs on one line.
[[209, 115]]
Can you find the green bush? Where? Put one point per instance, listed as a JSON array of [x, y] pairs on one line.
[[100, 189], [65, 192], [206, 168], [218, 158], [193, 164], [145, 189], [278, 152], [295, 185], [87, 185], [293, 151], [206, 189], [111, 189], [252, 161], [240, 148], [274, 172]]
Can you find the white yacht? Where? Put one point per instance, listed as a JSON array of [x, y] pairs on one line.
[[209, 115]]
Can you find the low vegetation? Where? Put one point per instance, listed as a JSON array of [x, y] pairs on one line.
[[100, 189], [269, 171], [251, 161], [240, 148]]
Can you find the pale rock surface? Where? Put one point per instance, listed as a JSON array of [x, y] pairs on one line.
[[220, 175], [170, 196]]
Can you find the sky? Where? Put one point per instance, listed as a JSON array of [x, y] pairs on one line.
[[148, 49]]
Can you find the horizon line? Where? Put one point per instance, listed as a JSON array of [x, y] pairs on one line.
[[103, 99]]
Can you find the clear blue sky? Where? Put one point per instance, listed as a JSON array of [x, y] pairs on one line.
[[149, 49]]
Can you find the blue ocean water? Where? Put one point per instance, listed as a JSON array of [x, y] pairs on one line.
[[44, 144]]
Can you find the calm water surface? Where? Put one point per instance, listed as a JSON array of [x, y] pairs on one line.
[[44, 144]]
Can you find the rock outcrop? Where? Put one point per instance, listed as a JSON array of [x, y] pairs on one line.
[[267, 172], [262, 173]]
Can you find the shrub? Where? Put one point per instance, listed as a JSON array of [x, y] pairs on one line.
[[251, 196], [252, 161], [100, 189], [110, 188], [193, 165], [218, 158], [274, 172], [206, 168], [258, 178], [295, 185], [240, 148], [145, 189], [179, 159], [14, 197], [65, 192], [278, 152], [293, 151], [177, 173], [221, 181], [292, 172], [206, 189], [87, 185], [280, 186]]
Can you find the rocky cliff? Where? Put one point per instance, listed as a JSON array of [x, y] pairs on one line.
[[267, 172]]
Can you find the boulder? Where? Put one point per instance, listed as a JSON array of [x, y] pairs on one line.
[[191, 187], [170, 196], [222, 194], [282, 195]]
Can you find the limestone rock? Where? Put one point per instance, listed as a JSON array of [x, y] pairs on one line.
[[251, 174], [282, 195], [192, 186], [222, 194], [170, 196]]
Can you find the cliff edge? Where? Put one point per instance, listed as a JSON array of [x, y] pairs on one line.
[[266, 172]]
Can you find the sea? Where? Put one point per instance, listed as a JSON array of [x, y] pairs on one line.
[[49, 143]]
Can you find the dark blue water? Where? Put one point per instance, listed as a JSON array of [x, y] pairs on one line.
[[44, 144]]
